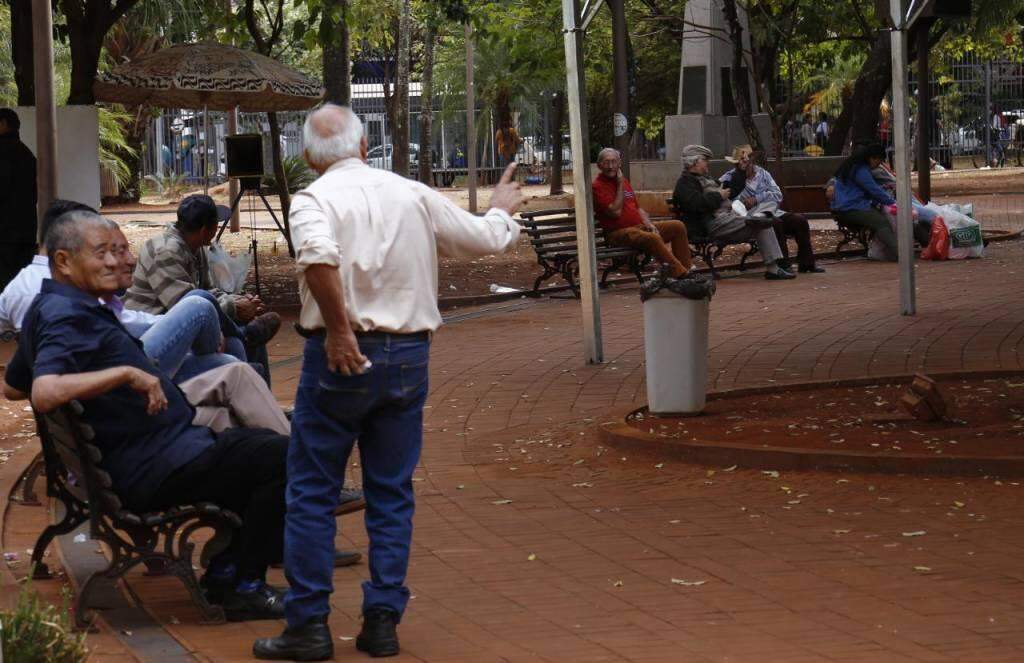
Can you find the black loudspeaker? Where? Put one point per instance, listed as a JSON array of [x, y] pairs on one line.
[[244, 155]]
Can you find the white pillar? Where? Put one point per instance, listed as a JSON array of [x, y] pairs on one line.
[[578, 127], [901, 141]]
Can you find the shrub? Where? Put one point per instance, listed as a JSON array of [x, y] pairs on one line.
[[296, 172], [37, 632]]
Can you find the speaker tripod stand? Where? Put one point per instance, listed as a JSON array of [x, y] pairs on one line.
[[250, 186]]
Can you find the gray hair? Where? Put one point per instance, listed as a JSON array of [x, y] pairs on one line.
[[690, 160], [608, 150], [67, 232], [331, 133]]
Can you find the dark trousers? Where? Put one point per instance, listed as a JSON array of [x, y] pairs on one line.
[[383, 409], [244, 471], [14, 256], [795, 226]]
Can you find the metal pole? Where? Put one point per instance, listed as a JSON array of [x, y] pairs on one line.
[[578, 127], [988, 113], [620, 57], [46, 108], [900, 121], [232, 129], [470, 121], [924, 113]]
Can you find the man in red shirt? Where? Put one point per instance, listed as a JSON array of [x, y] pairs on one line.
[[626, 225]]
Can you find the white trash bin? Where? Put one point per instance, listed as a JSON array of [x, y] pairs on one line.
[[676, 351]]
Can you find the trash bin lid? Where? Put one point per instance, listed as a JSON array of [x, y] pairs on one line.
[[692, 286]]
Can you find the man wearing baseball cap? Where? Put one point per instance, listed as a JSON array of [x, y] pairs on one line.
[[175, 263]]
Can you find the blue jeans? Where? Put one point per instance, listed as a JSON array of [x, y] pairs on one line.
[[191, 325], [383, 409]]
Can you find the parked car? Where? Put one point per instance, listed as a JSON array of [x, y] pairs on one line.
[[380, 156]]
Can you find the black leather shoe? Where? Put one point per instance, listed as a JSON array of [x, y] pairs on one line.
[[812, 270], [378, 637], [265, 603], [309, 642], [350, 500], [781, 275]]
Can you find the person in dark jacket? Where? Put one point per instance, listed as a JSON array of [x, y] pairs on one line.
[[17, 199], [703, 202]]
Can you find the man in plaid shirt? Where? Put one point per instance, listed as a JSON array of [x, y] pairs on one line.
[[175, 263]]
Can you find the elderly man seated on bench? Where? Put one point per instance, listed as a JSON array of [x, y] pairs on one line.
[[626, 225], [72, 347], [753, 185], [186, 342], [702, 200]]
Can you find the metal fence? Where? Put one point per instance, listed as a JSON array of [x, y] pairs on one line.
[[977, 111], [176, 146]]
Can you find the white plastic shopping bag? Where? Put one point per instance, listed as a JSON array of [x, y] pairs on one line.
[[228, 272], [965, 239]]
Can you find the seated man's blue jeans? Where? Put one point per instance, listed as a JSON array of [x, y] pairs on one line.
[[192, 326], [383, 409]]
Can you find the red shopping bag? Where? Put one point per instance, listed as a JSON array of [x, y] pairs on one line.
[[938, 243]]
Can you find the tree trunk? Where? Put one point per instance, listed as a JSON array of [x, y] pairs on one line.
[[336, 66], [860, 112], [21, 51], [840, 128], [279, 175], [400, 129], [132, 190], [555, 159], [740, 81], [426, 163]]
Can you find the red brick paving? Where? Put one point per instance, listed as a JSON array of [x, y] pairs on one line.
[[578, 566]]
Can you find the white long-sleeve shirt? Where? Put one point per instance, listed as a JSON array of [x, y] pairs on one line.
[[384, 232]]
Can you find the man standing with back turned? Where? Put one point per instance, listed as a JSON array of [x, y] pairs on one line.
[[367, 242]]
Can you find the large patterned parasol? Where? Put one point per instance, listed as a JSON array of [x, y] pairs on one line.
[[208, 75]]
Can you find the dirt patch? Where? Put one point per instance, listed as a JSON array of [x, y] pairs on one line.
[[987, 420]]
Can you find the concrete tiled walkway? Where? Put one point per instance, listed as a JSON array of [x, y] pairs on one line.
[[534, 543]]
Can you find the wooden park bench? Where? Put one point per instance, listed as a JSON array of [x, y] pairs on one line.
[[553, 236], [158, 539], [708, 248], [809, 200]]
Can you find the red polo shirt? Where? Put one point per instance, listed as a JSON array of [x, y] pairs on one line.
[[604, 195]]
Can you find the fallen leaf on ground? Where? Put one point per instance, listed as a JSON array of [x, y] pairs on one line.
[[771, 473], [919, 532], [502, 502], [729, 469], [532, 557], [922, 568], [617, 583], [688, 583], [583, 484]]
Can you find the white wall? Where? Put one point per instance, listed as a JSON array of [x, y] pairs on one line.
[[78, 150]]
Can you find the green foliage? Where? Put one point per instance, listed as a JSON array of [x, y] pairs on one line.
[[296, 172], [36, 632], [169, 185], [113, 142]]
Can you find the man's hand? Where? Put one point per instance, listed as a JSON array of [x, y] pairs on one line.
[[343, 354], [149, 386], [245, 308], [619, 177], [749, 201], [506, 195], [724, 193]]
